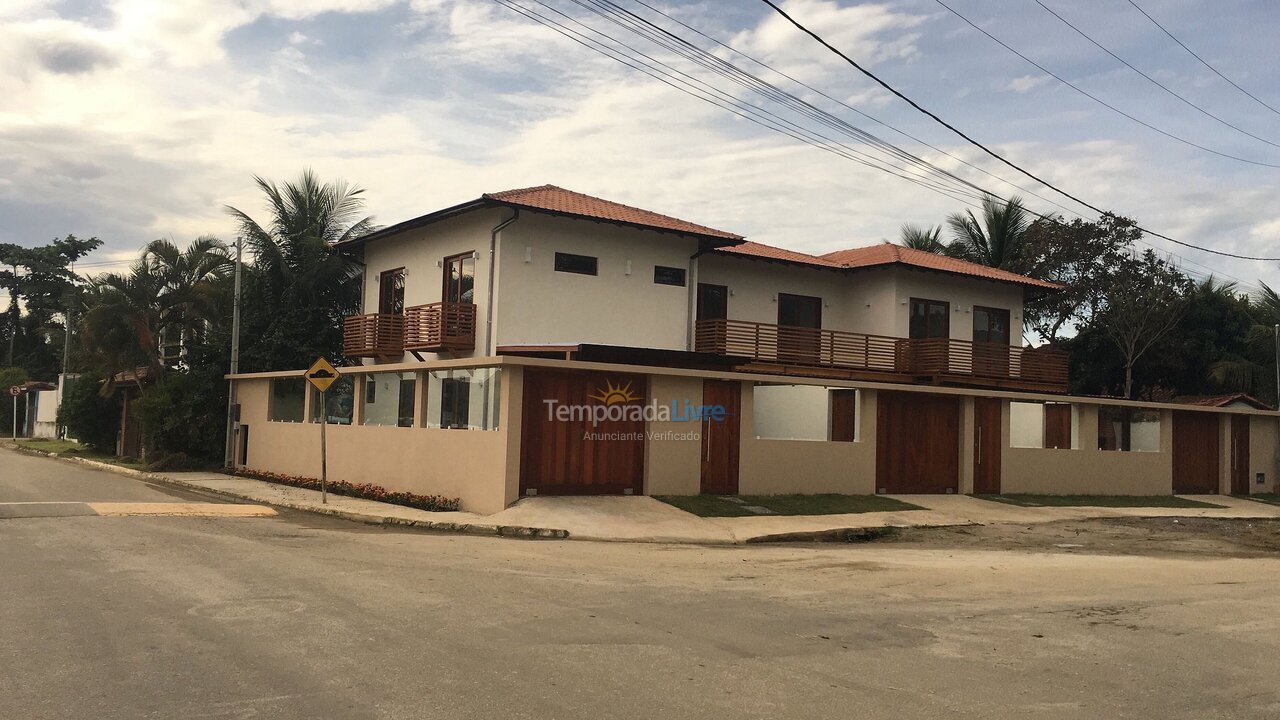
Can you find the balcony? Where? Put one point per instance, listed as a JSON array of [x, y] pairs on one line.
[[440, 327], [377, 335], [936, 360]]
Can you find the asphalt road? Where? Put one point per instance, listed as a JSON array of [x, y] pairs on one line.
[[302, 617]]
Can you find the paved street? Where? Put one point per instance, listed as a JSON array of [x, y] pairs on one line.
[[296, 616]]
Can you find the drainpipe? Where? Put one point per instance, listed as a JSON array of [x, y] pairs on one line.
[[493, 270]]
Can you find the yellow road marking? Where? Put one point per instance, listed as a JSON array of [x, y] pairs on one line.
[[181, 509]]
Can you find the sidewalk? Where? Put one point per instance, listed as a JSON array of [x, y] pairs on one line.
[[644, 519]]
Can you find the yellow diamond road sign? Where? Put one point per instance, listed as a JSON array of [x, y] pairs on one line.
[[321, 374]]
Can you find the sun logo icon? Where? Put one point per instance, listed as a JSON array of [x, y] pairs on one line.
[[612, 394]]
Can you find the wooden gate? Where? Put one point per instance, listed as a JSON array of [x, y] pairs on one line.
[[1195, 453], [917, 443], [1239, 454], [987, 442], [720, 439], [562, 452]]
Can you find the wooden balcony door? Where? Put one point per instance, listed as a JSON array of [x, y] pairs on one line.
[[991, 337], [712, 304], [799, 328], [720, 439], [1239, 455], [391, 292], [928, 332], [459, 289]]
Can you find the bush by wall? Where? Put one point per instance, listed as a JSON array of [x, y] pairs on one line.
[[367, 491], [89, 417]]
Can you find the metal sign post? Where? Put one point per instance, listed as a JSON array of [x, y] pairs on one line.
[[15, 391], [324, 455], [322, 375]]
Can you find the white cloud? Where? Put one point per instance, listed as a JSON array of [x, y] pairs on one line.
[[1026, 83]]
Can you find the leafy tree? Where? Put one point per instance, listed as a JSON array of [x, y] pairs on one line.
[[88, 415], [1144, 302], [300, 289], [1082, 256], [40, 277], [996, 241]]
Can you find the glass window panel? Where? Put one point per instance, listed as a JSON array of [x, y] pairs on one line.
[[385, 399], [287, 396], [463, 399], [1026, 425], [340, 401]]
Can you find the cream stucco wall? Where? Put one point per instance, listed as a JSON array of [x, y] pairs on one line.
[[480, 467], [538, 306], [1086, 470], [673, 462], [754, 286], [1264, 454], [775, 467], [962, 294]]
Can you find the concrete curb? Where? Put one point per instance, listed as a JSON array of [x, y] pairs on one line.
[[512, 531]]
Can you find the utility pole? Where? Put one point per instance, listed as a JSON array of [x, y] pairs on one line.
[[229, 460], [66, 363]]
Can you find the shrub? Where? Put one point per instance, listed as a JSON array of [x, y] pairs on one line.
[[367, 491], [89, 417], [184, 412]]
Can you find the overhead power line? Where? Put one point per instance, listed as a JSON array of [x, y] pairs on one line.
[[1202, 60], [1099, 100], [987, 150], [1152, 80]]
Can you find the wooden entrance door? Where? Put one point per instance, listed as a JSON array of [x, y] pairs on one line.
[[917, 443], [1239, 455], [987, 443], [1195, 453], [563, 452], [720, 438]]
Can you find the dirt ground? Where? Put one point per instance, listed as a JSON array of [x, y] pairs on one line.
[[1160, 537]]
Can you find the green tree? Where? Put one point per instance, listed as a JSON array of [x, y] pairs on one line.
[[1082, 256], [1144, 303], [995, 241], [300, 288], [919, 238], [41, 278]]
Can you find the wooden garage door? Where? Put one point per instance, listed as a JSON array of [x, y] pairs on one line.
[[573, 457], [917, 443], [1195, 453]]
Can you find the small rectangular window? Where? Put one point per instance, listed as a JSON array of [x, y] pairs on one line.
[[663, 275], [581, 264], [805, 412], [287, 395]]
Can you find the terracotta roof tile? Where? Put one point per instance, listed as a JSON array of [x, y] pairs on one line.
[[555, 199], [1221, 400], [890, 254], [769, 252]]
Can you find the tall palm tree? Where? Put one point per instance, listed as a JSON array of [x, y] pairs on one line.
[[918, 238], [121, 325], [193, 285], [303, 286], [998, 240]]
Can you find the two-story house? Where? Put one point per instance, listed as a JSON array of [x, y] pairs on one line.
[[542, 341]]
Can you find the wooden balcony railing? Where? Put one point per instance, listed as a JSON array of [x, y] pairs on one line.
[[440, 327], [375, 335], [940, 359]]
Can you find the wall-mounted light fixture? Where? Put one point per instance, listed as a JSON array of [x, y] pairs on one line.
[[627, 270], [528, 253]]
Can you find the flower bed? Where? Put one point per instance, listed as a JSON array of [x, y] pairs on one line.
[[367, 491]]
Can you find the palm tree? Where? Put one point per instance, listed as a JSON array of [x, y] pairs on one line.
[[193, 285], [303, 288], [120, 327], [996, 241], [926, 239]]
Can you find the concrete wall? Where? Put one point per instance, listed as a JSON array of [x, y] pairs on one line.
[[775, 467], [1086, 470], [480, 467], [674, 466], [1264, 454], [539, 306]]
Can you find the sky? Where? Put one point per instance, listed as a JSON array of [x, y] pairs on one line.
[[138, 119]]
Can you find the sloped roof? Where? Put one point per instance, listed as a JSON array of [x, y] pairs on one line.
[[558, 200], [1222, 400], [890, 254], [769, 252]]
